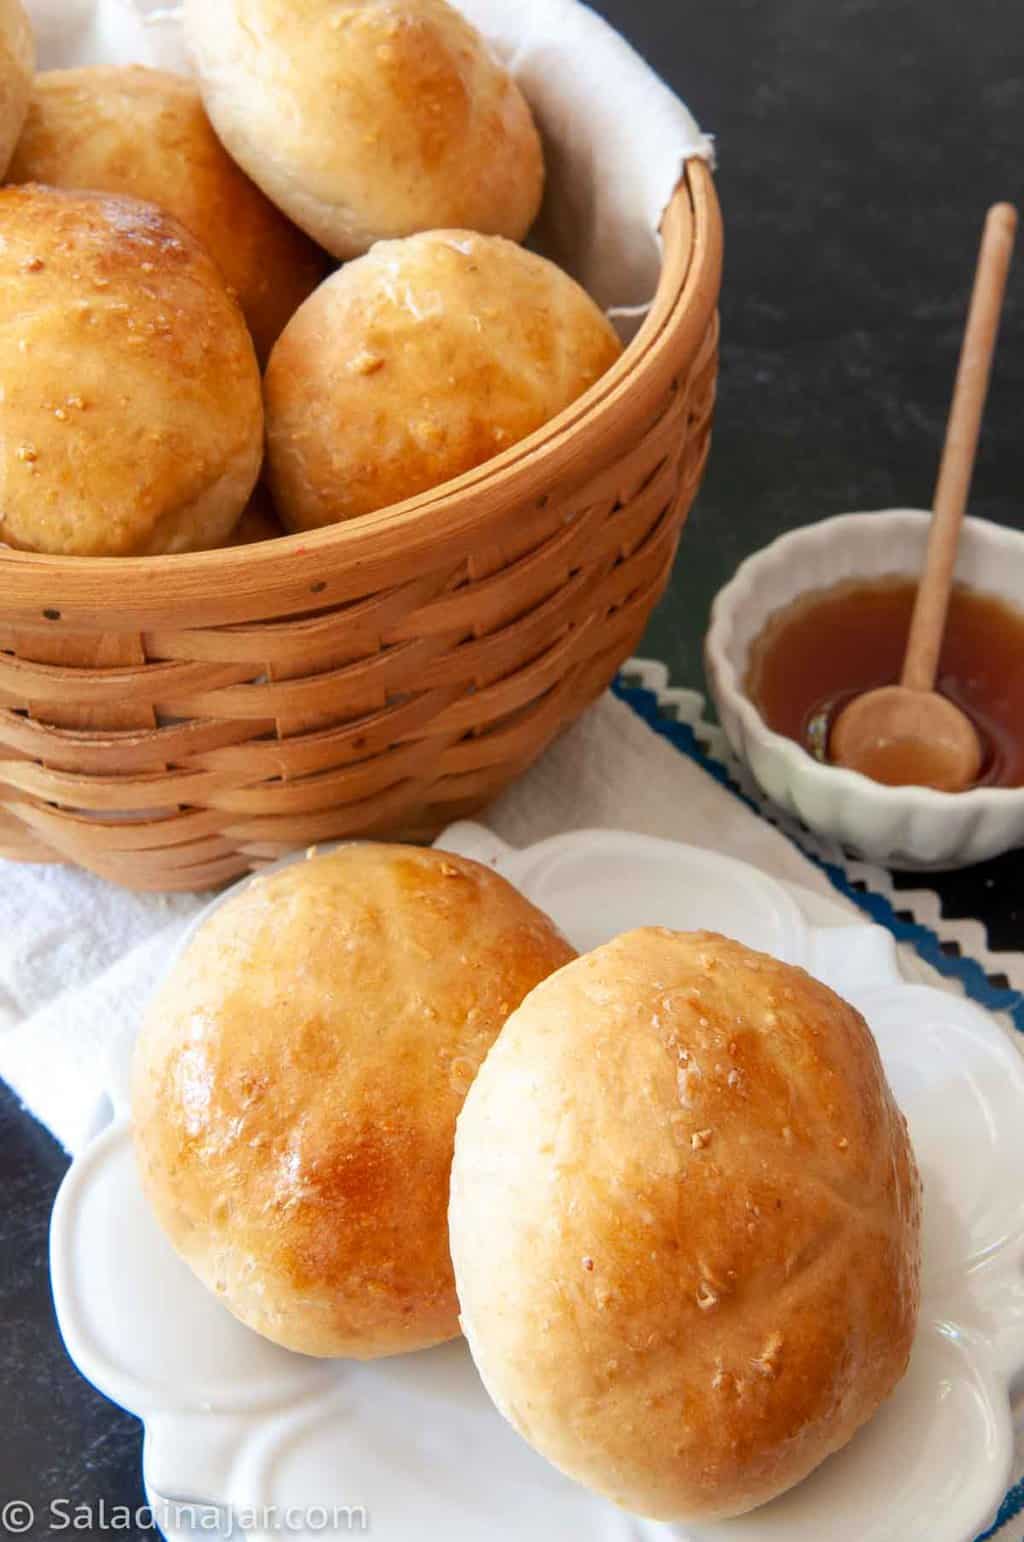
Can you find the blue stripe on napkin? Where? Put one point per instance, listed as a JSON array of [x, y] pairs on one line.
[[1012, 1505]]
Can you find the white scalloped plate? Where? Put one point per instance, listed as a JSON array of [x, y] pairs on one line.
[[238, 1425]]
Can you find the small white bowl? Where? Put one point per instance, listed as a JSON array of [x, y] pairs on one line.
[[898, 827]]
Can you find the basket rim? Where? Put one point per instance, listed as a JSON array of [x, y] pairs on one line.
[[234, 584]]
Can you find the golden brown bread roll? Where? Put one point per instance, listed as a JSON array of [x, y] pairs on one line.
[[685, 1224], [131, 420], [141, 132], [297, 1079], [17, 63], [368, 119], [417, 362]]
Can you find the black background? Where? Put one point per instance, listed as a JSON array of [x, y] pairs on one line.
[[860, 142]]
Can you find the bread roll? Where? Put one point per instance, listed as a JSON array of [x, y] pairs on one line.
[[297, 1079], [368, 119], [141, 132], [17, 63], [130, 420], [416, 363], [685, 1224]]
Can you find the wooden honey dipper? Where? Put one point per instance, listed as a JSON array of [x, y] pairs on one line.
[[908, 734]]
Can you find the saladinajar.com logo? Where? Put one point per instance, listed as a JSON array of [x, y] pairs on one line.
[[19, 1518]]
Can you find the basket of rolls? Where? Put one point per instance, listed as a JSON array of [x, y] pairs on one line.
[[359, 364]]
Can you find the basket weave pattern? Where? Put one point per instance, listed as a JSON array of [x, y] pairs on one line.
[[164, 743]]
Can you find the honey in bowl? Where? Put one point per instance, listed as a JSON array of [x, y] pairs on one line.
[[830, 645]]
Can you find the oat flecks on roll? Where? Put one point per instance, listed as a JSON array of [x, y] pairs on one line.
[[297, 1080], [685, 1224], [418, 362], [368, 119], [144, 133], [131, 421]]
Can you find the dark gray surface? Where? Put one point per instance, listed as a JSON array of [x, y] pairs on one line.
[[860, 143]]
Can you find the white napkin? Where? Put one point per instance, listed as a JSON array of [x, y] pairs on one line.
[[615, 136], [79, 956]]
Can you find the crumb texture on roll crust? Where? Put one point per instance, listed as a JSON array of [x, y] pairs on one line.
[[370, 119], [685, 1223], [131, 418], [17, 65], [143, 133], [418, 362], [297, 1080]]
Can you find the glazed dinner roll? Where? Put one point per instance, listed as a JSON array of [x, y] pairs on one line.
[[297, 1079], [417, 362], [130, 419], [368, 119], [17, 63], [142, 132], [685, 1224]]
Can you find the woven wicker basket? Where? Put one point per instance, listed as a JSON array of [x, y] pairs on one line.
[[172, 722]]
